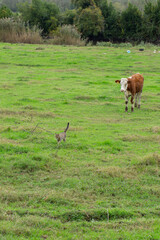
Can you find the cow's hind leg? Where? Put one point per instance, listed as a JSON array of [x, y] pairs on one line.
[[132, 103], [139, 99], [136, 100]]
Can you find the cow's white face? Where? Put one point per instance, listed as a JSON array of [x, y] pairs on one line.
[[124, 84]]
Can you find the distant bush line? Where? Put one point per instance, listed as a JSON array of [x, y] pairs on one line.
[[90, 21]]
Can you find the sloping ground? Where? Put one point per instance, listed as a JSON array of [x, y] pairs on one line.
[[103, 182]]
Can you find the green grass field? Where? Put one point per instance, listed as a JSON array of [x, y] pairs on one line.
[[104, 181]]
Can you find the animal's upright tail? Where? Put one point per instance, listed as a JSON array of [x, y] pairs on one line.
[[66, 127]]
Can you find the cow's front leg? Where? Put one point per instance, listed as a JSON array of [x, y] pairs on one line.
[[126, 102], [132, 103]]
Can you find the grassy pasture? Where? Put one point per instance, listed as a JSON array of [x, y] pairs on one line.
[[103, 182]]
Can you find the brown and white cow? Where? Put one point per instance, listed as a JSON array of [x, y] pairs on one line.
[[132, 86]]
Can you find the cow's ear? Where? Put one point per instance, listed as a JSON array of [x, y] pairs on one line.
[[117, 81], [129, 81]]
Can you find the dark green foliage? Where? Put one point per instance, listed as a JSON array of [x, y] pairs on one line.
[[42, 14], [151, 26], [131, 23], [85, 3], [68, 17], [112, 28], [5, 12]]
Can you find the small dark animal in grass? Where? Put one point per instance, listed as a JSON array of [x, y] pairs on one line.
[[132, 86], [62, 136]]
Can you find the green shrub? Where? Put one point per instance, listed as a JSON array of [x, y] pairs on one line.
[[67, 35], [5, 12], [104, 44]]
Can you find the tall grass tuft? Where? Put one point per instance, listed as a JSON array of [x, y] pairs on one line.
[[67, 35], [17, 32]]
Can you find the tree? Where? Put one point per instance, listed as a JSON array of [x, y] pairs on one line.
[[85, 3], [42, 14], [112, 28], [68, 17], [131, 22], [62, 4], [151, 23], [5, 12], [90, 23]]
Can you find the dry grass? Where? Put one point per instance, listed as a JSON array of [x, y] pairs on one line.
[[16, 32], [8, 141], [117, 172], [151, 160], [67, 35], [155, 129], [10, 113], [138, 138]]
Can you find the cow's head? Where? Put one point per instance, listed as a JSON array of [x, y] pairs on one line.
[[124, 84]]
